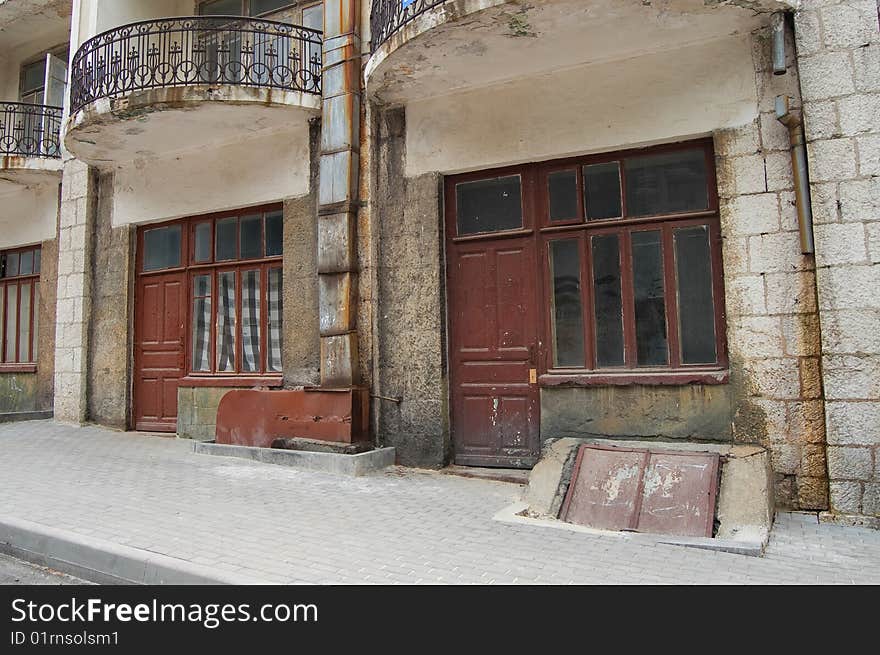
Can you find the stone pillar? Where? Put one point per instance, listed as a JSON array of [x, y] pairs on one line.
[[338, 194], [74, 291], [838, 51]]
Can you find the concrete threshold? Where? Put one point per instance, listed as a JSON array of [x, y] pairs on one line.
[[105, 562], [14, 417], [514, 514], [336, 463]]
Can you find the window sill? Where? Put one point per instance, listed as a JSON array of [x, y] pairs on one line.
[[218, 381], [18, 368], [630, 378]]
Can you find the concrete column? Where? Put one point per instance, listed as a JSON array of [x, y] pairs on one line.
[[74, 292], [338, 194]]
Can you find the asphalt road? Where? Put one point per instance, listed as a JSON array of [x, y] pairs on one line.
[[14, 572]]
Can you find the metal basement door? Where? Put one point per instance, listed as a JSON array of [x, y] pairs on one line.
[[493, 316]]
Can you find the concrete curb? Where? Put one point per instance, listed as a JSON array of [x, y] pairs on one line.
[[512, 514], [354, 465], [16, 417], [104, 562]]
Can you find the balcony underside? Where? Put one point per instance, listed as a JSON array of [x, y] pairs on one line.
[[18, 171], [465, 44], [156, 123]]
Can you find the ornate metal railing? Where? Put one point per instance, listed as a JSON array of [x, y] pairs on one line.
[[30, 130], [196, 50], [388, 16]]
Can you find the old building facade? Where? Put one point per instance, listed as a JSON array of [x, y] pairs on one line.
[[499, 221]]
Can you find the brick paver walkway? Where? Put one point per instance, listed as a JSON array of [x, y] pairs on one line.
[[401, 526]]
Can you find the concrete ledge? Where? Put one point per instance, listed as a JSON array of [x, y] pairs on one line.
[[354, 465], [516, 514], [14, 417], [101, 561]]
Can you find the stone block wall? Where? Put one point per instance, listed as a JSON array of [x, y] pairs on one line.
[[197, 411], [46, 337], [838, 51], [772, 320]]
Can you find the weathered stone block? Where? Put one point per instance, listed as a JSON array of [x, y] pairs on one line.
[[850, 463], [858, 113], [867, 68], [849, 287], [774, 135], [813, 460], [852, 24], [778, 171], [779, 252], [812, 493], [811, 377], [806, 421], [785, 458], [871, 499], [826, 75], [851, 377], [853, 423], [777, 378], [840, 243], [743, 140], [755, 336], [869, 154], [851, 331], [808, 30], [824, 201], [846, 497], [820, 120], [790, 293], [873, 232], [801, 335], [745, 295], [832, 160], [752, 214], [741, 175], [860, 199]]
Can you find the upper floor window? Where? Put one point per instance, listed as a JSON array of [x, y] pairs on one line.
[[307, 14], [20, 305], [43, 81]]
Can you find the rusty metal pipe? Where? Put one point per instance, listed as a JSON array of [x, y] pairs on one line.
[[793, 121]]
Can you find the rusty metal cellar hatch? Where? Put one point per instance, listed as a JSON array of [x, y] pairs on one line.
[[662, 492]]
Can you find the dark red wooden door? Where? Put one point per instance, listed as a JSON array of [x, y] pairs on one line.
[[160, 310], [493, 322]]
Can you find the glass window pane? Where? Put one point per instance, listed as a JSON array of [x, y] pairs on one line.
[[262, 6], [201, 322], [220, 8], [274, 234], [650, 301], [11, 320], [602, 190], [38, 260], [24, 324], [313, 17], [696, 312], [250, 321], [608, 300], [273, 355], [34, 76], [162, 248], [226, 321], [563, 195], [489, 205], [666, 183], [224, 239], [36, 342], [567, 313], [251, 236], [26, 263], [12, 260], [203, 243]]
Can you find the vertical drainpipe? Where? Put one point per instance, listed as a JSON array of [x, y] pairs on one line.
[[338, 194]]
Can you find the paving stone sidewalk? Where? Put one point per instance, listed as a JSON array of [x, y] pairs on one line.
[[400, 526]]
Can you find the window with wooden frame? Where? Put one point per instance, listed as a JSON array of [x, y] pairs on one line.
[[233, 263], [633, 251], [259, 8], [20, 303]]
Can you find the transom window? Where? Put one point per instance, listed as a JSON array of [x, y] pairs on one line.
[[20, 303], [633, 248], [234, 274]]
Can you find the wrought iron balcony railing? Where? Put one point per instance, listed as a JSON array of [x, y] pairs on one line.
[[196, 50], [388, 16], [30, 130]]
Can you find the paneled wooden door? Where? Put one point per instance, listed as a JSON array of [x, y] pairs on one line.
[[159, 349], [493, 323]]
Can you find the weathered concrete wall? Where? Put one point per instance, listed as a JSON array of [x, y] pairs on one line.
[[197, 411], [838, 49], [410, 305], [301, 345], [46, 335], [109, 395], [18, 392], [772, 326], [694, 412], [29, 215]]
